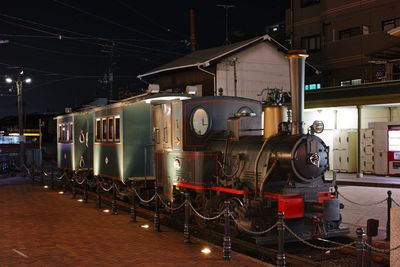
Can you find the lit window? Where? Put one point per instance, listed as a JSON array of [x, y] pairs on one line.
[[313, 86], [351, 82]]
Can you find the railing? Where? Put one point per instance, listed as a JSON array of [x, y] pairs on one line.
[[359, 245]]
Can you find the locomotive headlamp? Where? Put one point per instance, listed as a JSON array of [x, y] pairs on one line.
[[317, 127]]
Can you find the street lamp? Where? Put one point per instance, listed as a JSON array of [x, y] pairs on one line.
[[18, 82]]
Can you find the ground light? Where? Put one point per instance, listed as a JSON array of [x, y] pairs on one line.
[[145, 226], [61, 192], [206, 251], [106, 211], [45, 186], [80, 200]]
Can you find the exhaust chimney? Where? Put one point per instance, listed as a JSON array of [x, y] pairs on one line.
[[192, 31], [296, 71]]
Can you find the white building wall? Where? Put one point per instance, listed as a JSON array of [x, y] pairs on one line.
[[259, 67]]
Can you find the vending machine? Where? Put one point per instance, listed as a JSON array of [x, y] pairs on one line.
[[393, 155]]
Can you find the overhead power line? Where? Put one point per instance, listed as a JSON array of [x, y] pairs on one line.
[[61, 36], [106, 20]]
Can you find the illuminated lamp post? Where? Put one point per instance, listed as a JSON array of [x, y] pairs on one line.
[[18, 82]]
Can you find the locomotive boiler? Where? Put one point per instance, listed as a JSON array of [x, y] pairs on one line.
[[216, 148]]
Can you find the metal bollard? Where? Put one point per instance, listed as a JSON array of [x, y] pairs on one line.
[[98, 195], [186, 228], [227, 245], [85, 190], [42, 177], [73, 187], [64, 183], [33, 175], [133, 203], [280, 256], [114, 207], [157, 212], [372, 230], [360, 247], [389, 207]]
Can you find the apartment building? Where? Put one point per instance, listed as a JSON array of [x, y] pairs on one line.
[[350, 42]]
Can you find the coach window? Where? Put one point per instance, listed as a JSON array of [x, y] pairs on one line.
[[71, 127], [67, 133], [110, 128], [117, 129], [98, 130], [104, 129], [59, 133]]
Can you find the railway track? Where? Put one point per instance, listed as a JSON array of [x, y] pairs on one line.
[[297, 254]]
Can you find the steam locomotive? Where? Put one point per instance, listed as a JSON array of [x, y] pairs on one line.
[[216, 148]]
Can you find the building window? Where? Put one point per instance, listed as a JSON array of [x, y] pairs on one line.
[[390, 24], [312, 86], [351, 82], [348, 33], [311, 43], [306, 3]]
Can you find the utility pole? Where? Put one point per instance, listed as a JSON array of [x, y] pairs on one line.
[[18, 83], [109, 49], [226, 7]]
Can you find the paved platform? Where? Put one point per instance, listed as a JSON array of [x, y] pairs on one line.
[[368, 180], [40, 227]]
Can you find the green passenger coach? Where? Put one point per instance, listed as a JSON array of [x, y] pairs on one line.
[[74, 140], [123, 140]]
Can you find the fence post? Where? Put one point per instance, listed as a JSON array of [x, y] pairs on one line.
[[114, 207], [389, 206], [227, 245], [73, 187], [359, 247], [52, 178], [186, 228], [42, 176], [85, 190], [33, 175], [280, 256], [133, 202], [98, 196], [64, 183], [157, 211]]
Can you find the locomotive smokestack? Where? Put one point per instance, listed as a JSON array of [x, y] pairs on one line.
[[296, 71]]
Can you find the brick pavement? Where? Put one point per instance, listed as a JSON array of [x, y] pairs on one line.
[[39, 227]]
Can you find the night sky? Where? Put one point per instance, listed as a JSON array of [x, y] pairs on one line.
[[63, 45]]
